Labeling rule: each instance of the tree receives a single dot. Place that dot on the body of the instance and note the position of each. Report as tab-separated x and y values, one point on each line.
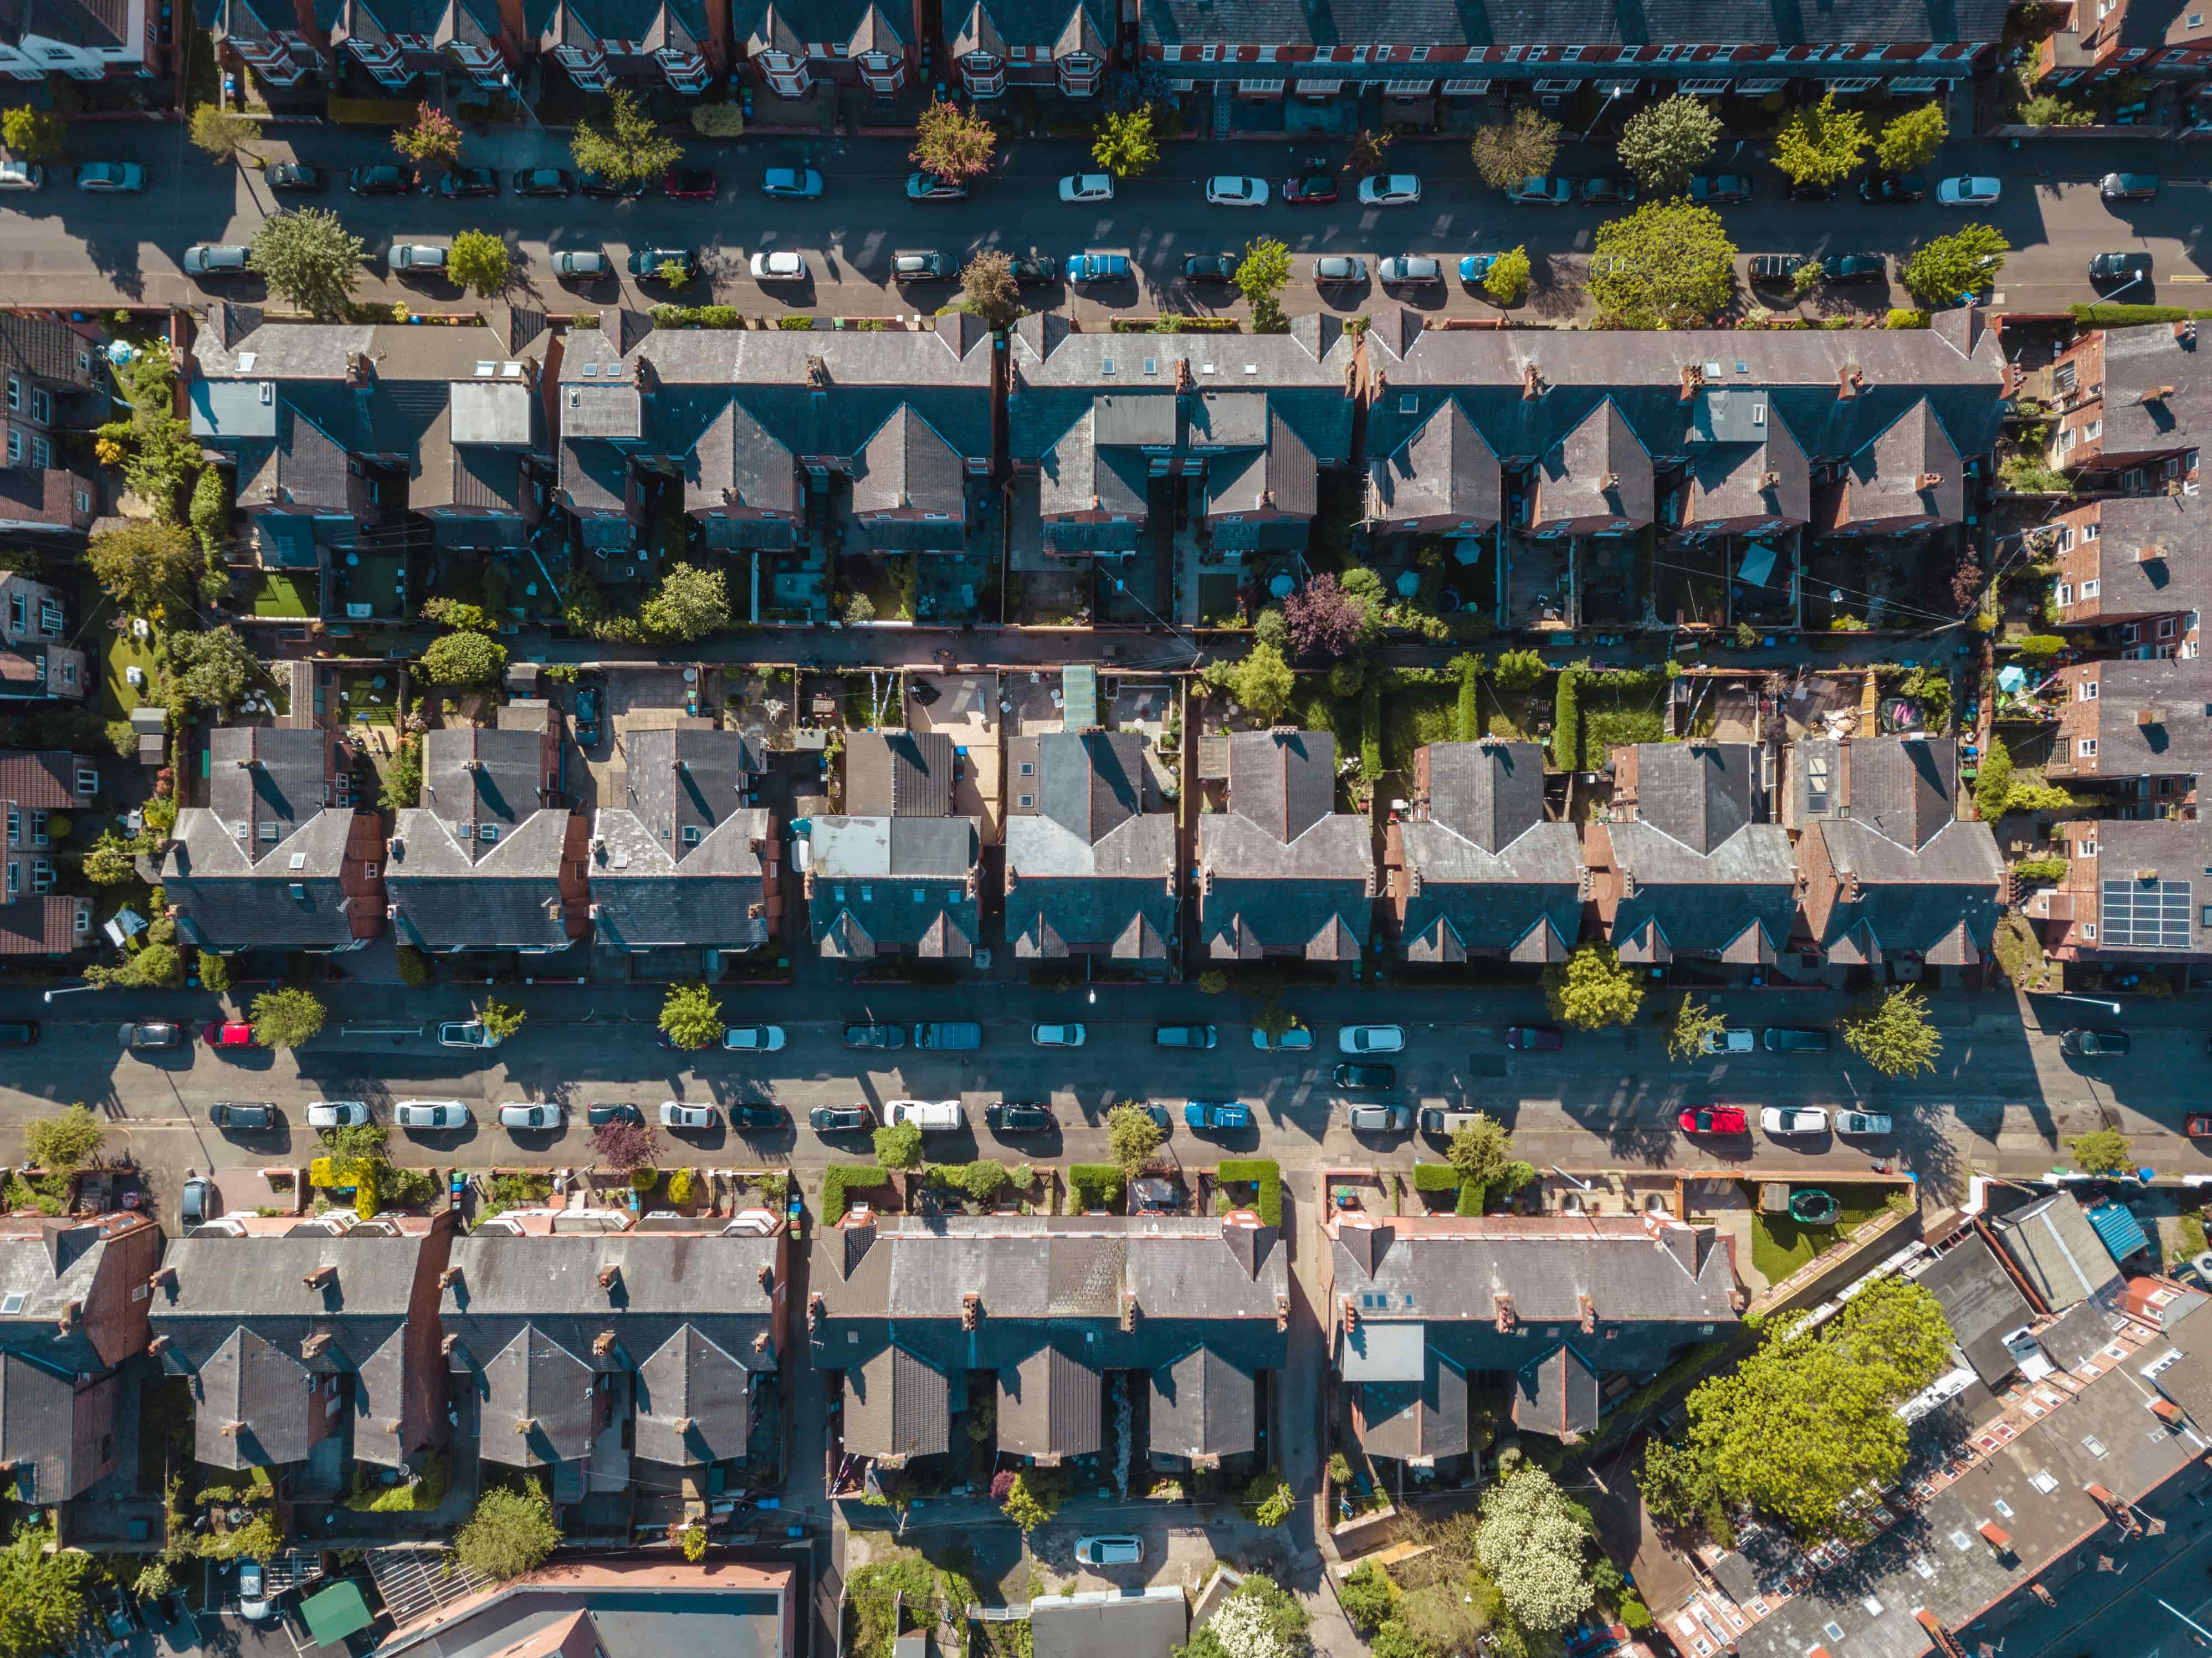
691	1016
954	143
356	1147
1032	1499
1949	270
1269	1499
211	668
1663	266
287	1018
1811	1417
1694	1020
1507	280
1127	145
1132	1135
220	133
1591	989
1895	1037
2099	1151
691	603
215	972
674	273
630	147
1523	147
502	1019
1324	620
65	1142
1679	1485
1262	275
1259	1619
1661	146
479	261
435	137
1367	1596
1518	670
987	283
1531	1541
157	967
1367	148
209	513
1482	1151
983	1179
1274	1021
1819	143
1262	681
453	613
109	860
624	1146
461	658
511	1533
2048	109
307	259
1993	782
143	563
1912	139
898	1145
42	1595
33	135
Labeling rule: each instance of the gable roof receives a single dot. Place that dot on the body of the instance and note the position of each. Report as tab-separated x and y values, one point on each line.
1086	863
1280	869
1482	867
899	774
678	858
1169	22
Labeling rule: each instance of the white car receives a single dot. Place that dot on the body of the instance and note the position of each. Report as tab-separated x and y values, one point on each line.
1726	1041
1862	1122
430	1114
1370	1039
337	1114
215	259
23	175
517	1113
1087	187
465	1033
1297	1040
931	1116
753	1038
409	258
1794	1119
1967	191
1390	190
253	1591
1056	1035
778	267
674	1113
1229	191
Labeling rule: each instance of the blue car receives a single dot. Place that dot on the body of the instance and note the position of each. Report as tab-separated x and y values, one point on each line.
1098	267
588	715
1215	1114
1476	266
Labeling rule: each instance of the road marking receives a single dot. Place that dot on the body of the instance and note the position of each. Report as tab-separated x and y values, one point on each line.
2190	279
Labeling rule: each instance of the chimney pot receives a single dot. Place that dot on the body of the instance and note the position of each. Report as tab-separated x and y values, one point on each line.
449	1278
602	1344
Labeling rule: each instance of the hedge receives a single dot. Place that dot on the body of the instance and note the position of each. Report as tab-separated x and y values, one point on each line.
1435	1177
2121	316
1470	1199
1567	721
1267	1175
1370	734
1182	326
1470	713
695	316
861	1176
1095	1185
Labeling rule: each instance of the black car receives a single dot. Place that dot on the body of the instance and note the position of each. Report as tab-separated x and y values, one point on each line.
1034	269
243	1113
542	181
1607	193
593	184
468	181
1210	267
151	1034
19	1033
654	261
1809	192
1008	1117
1352	1077
599	1116
2119	268
1892	187
378	181
295	176
1852	268
839	1119
875	1036
755	1117
1775	267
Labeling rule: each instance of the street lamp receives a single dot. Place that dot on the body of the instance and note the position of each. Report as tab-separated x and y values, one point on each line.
2108	298
71	990
2113	1008
1606	103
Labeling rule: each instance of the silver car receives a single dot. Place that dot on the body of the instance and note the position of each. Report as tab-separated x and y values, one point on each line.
337	1114
1410	270
540	1118
430	1114
215	259
1862	1122
1381	1119
585	262
415	259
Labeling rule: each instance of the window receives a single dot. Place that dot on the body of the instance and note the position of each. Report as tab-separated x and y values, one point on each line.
38	829
2062	376
2092	1444
83	501
2092	531
15	447
14	877
2065	594
42	406
1028	768
87	780
49	616
691	834
18	613
2089	931
2090	589
84	923
2086	848
2065	540
2092	431
369	871
42	454
2044	1481
2085	691
14	394
68	673
2085	748
2166	627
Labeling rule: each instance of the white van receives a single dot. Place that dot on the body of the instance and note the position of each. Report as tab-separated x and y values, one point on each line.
931	1116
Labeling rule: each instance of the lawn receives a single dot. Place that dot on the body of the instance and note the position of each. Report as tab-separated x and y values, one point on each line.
371	695
118	696
1779	1246
1416	714
276	593
1313	709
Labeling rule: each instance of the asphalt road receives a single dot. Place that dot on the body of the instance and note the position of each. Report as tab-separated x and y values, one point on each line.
63	248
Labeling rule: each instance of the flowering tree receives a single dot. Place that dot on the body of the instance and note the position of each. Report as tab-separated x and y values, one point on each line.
1324	619
1531	1542
1261	1620
435	136
954	143
624	1146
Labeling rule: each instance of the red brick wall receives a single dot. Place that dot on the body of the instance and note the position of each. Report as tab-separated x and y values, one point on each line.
115	1309
1819	886
2076	719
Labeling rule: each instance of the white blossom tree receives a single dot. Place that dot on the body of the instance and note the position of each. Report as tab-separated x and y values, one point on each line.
1244	1630
1261	1620
1532	1545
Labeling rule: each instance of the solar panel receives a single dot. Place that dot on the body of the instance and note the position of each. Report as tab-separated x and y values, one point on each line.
2146	915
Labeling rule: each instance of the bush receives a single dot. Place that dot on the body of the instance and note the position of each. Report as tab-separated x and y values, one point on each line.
1567	720
1095	1185
65	1142
1900	318
215	972
679	1187
717	121
464	659
839	1177
415	967
2040	869
1435	1177
511	1533
1264	1172
898	1145
695	316
1269	1499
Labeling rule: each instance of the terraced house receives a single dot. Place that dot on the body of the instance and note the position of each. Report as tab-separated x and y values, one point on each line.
1060	47
2138	593
897	872
798	44
1281	870
37	786
1090	850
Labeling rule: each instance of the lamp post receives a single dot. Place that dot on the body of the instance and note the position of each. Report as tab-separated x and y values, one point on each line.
71	990
1604	104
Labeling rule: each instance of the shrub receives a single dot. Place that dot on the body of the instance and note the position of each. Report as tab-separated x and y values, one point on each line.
1435	1177
716	121
415	968
2040	869
839	1177
1269	1499
679	1187
1095	1185
644	1178
1264	1172
215	972
898	1145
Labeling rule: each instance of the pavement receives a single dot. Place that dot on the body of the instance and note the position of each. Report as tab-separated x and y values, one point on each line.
63	248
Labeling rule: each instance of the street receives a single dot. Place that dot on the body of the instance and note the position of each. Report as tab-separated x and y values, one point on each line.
66	248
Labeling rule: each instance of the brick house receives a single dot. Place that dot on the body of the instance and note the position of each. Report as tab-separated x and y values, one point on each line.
1475	867
37	661
796	43
897	872
2129	408
1056	46
682	859
35	920
2134	892
2101	39
2132	571
1281	870
2143	724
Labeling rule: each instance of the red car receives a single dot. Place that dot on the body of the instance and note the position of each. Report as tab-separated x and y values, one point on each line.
233	1034
1315	187
2198	1126
1714	1120
690	184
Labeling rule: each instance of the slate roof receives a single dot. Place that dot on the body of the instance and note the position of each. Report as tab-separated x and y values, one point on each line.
884	884
1049	1404
45	1420
1928	882
1204	1404
1046	26
1745	463
2154	398
449	887
2059	1254
59	1264
2179	574
1148	1623
2179	741
1440	473
898	1404
2176	848
899	774
1483	868
783	23
1439	21
694	1402
1417	1420
1599	475
52	352
1557	1392
1980	1302
1280	869
1086	866
1707	871
678	860
1886	483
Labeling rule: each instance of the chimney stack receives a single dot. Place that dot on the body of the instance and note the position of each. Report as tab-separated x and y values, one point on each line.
1502	1303
2156	394
1532	381
316	1345
602	1344
610	1275
449	1278
971	1309
320	1278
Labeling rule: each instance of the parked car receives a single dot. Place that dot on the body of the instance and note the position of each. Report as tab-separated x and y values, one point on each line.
2198	1126
1852	268
1443	1122
463	181
800	184
1370	1039
928	187
1056	1035
1354	1077
2105	268
924	264
675	1114
1311	190
1210	267
875	1036
243	1113
1714	1120
197	1200
1033	269
950	1035
415	260
466	1032
228	1033
1607	192
108	177
1232	189
841	1119
589	265
18	1033
1892	188
1086	268
2129	186
1380	1119
1184	1036
1810	190
431	1114
216	259
2095	1044
385	181
1297	1040
23	175
337	1114
1794	1039
1793	1119
539	1119
1726	1041
584	711
1534	1038
607	1111
1475	267
655	262
1410	270
149	1034
1214	1116
756	1118
1337	270
1115	1550
254	1603
1017	1117
542	181
1087	187
1775	267
1720	189
294	178
1862	1122
1390	190
931	1116
781	266
605	189
690	184
753	1038
1969	191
